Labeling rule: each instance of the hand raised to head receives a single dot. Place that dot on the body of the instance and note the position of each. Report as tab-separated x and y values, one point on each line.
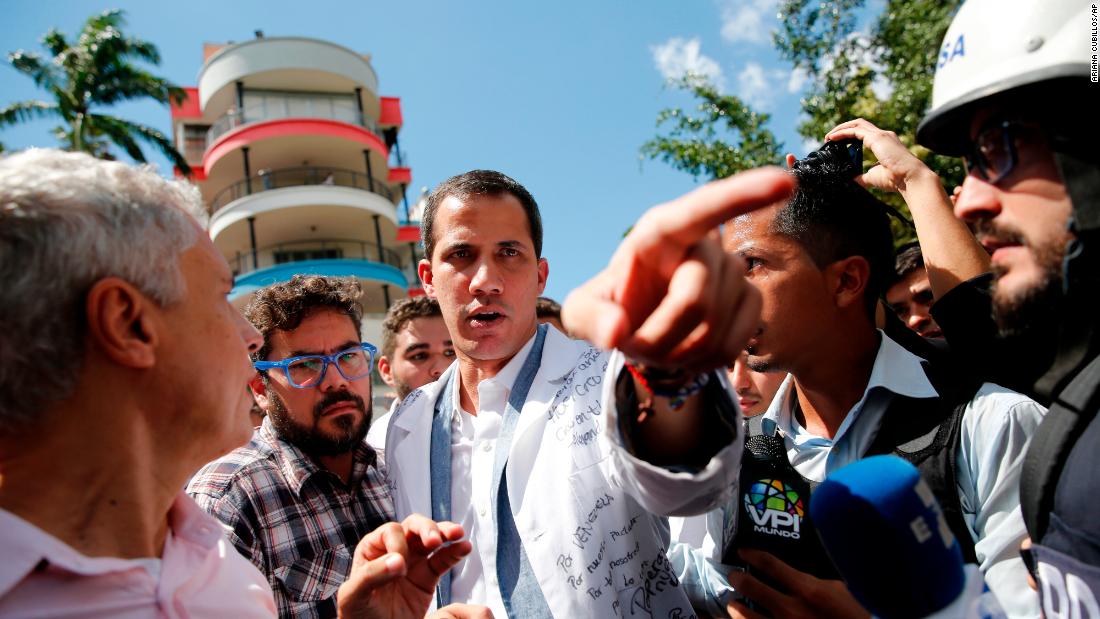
896	167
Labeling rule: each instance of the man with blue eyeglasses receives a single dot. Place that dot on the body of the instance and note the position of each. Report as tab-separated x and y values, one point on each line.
301	494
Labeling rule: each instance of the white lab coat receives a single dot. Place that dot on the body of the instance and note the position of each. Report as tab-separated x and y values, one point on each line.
588	512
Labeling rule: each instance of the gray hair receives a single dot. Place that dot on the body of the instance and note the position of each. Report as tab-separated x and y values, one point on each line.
68	220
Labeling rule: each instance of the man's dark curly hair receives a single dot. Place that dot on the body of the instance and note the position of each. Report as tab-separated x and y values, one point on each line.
834	218
283	306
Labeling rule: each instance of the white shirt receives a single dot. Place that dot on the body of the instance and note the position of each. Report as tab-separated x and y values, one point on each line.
587	510
376	435
473	451
996	427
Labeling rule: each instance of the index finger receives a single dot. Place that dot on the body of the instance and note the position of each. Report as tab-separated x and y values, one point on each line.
847	132
855	122
689	218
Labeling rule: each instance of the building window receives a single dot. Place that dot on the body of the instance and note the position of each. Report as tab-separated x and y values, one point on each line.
194	141
283	256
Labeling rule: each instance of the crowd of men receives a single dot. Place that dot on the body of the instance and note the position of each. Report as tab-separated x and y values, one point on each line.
614	456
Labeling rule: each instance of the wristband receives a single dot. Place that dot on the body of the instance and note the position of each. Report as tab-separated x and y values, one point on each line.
677	392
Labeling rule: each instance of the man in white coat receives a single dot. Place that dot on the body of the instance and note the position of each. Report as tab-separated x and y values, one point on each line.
557	457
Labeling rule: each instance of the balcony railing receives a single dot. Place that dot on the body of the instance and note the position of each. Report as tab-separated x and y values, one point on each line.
399	158
263	105
298	177
313	249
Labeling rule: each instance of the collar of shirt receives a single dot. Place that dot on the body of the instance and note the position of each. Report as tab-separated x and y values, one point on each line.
896	371
24	546
492	393
298	468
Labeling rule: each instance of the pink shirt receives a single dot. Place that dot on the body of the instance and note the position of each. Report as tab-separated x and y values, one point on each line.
199	575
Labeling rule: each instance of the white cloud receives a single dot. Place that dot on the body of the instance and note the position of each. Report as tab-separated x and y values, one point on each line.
759	87
882	87
809	145
864	57
678	57
753	84
748	21
797	80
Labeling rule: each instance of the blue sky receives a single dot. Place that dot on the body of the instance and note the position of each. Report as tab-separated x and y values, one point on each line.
559	95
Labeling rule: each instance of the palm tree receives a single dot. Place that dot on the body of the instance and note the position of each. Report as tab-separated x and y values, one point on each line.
95	72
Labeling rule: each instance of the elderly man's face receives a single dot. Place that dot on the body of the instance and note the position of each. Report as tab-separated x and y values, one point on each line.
485	275
1021	220
206	346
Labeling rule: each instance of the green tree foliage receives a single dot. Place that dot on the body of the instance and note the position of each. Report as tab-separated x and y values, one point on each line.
724	135
899	50
95	72
901	47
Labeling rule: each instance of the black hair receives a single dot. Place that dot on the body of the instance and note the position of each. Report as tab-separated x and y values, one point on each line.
834	218
479	183
909	259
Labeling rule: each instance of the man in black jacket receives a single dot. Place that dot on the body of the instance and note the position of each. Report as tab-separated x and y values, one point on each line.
1014	94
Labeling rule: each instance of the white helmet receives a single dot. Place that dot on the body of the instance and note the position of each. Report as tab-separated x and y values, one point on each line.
994	46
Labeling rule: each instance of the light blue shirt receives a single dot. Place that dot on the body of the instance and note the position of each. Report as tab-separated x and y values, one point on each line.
996	427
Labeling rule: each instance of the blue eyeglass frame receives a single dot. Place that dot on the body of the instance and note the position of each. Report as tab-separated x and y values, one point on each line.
326	361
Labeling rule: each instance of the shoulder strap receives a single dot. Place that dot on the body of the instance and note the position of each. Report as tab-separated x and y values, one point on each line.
1072	410
926	433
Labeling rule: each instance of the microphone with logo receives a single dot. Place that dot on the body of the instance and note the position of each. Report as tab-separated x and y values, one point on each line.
887	536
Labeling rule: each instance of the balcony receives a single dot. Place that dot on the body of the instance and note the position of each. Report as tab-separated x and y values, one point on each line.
313	250
285	62
261	106
299	177
378	280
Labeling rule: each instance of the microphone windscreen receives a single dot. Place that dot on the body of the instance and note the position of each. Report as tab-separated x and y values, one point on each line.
886	534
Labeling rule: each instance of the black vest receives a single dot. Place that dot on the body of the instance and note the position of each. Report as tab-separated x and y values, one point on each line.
773	498
1058	497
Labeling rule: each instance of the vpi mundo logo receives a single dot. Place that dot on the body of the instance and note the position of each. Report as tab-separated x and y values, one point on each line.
775	509
951	50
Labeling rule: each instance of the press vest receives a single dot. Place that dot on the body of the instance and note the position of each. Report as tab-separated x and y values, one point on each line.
1058	499
774	498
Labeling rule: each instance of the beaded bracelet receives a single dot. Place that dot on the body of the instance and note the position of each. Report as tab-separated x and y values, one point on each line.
676	397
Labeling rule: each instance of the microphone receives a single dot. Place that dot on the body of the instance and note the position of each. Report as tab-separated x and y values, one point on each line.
887	536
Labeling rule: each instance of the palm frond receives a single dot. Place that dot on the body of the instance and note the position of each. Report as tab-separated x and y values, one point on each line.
95	70
111	18
22	111
54	41
33	66
112	126
124	82
118	131
143	50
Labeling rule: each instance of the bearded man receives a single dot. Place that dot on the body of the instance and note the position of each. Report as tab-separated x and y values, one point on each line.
301	494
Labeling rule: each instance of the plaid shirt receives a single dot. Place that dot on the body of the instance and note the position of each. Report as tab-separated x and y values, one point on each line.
297	522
